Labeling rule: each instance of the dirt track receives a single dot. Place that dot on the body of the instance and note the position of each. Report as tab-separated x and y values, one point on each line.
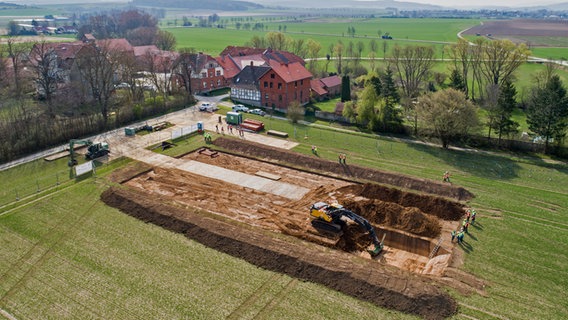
243	221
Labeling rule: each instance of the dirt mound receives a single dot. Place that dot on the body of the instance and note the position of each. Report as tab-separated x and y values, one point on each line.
395	216
439	207
383	286
352	171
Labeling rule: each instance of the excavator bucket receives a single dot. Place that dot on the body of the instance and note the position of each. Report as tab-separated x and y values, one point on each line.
376	251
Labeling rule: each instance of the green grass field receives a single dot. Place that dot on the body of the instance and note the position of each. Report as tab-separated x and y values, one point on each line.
68	256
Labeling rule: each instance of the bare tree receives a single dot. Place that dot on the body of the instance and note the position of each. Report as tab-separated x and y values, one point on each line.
461	56
501	58
44	62
96	66
183	70
16	52
413	65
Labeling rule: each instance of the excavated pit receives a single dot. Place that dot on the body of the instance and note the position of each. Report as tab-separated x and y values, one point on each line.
411	222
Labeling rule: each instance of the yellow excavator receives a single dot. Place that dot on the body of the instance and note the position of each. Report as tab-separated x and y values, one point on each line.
329	218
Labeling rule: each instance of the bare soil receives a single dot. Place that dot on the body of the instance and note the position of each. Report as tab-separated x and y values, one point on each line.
256	226
521	28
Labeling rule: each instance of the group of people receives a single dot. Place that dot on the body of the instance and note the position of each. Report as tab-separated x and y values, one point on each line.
230	127
469	217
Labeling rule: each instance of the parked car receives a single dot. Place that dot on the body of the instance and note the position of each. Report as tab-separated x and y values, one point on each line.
258	112
208	107
240	108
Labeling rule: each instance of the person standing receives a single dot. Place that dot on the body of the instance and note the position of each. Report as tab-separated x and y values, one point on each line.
473	216
453	235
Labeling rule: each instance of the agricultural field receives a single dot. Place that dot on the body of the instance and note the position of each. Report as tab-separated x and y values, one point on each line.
68	255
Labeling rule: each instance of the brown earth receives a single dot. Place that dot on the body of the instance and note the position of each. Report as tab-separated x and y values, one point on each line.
245	222
521	28
352	172
364	279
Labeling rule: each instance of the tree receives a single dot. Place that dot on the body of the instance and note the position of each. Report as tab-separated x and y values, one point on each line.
141	36
338	49
413	65
16	53
47	72
165	40
367	107
295	112
506	104
277	40
460	53
96	66
547	111
183	70
314	48
501	58
448	113
345	89
388	88
457	82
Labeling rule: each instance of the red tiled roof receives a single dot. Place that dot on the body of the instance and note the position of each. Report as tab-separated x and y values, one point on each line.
229	66
332	81
142	50
290	72
317	87
121	45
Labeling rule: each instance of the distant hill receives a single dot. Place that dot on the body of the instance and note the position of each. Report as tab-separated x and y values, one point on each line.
224	5
379	4
5	5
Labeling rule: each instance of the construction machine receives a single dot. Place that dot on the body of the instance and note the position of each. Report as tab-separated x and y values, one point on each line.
94	150
329	219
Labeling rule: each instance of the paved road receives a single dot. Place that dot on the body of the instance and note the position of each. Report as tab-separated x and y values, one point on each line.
122	145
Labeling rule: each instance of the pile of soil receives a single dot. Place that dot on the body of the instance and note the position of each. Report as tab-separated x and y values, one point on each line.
366	280
395	216
251	149
437	206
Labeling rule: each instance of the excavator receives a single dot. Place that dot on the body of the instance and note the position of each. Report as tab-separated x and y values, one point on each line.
94	150
328	219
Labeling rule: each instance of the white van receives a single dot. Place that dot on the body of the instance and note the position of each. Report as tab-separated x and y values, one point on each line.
240	108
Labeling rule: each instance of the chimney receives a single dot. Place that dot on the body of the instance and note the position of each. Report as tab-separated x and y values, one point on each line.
251	63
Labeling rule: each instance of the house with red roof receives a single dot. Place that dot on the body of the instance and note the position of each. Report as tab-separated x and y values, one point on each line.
326	88
265	77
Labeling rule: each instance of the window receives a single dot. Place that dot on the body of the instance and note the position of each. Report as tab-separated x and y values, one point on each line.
204	84
266	84
266	96
301	82
271	85
272	76
218	82
279	97
295	84
218	73
203	74
279	85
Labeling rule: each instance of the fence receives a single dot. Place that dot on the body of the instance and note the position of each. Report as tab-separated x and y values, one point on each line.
178	133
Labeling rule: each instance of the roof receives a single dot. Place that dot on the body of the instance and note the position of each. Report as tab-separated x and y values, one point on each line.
332	81
63	50
230	67
248	77
266	53
290	72
120	45
142	50
317	87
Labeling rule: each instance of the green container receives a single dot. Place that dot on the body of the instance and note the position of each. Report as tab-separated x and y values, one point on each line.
129	131
234	118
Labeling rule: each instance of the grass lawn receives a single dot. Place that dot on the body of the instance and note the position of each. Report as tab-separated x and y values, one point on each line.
70	256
